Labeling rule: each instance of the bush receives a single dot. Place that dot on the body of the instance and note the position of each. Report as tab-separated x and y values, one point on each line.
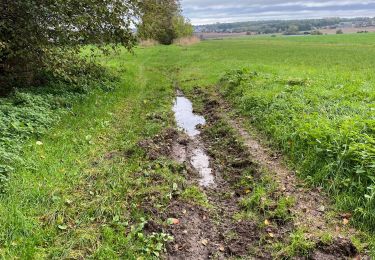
316	32
45	37
339	31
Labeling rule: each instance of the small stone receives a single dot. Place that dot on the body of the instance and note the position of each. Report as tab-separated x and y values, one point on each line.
204	242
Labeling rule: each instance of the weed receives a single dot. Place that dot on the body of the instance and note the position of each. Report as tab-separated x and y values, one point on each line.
282	211
298	245
326	238
195	195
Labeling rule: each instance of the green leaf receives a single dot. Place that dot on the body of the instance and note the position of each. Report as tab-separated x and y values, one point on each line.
62	227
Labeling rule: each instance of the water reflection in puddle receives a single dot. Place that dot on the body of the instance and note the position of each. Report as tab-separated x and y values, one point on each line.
188	121
201	162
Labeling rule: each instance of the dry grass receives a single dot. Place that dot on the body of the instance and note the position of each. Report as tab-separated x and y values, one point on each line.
148	43
186	41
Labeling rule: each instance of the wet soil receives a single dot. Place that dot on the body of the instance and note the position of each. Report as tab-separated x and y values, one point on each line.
219	156
194	151
311	205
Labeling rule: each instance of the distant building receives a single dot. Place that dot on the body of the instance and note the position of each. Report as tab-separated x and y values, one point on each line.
346	25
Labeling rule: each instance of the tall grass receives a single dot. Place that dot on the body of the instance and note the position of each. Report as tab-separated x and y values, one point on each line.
326	129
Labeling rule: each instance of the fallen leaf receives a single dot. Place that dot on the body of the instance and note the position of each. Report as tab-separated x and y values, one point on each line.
221	248
346	215
267	222
173	221
204	242
271	235
62	227
345	221
184	211
247	191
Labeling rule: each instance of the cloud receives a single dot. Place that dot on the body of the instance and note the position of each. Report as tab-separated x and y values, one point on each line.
210	11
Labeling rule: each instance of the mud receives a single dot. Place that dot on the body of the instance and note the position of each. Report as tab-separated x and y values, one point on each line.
193	152
309	211
339	249
229	155
194	237
214	233
161	145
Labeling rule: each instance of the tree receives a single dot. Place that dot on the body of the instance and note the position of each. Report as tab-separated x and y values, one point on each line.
292	30
340	31
316	32
161	20
44	36
182	26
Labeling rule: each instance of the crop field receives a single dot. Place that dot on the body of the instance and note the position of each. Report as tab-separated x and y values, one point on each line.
91	175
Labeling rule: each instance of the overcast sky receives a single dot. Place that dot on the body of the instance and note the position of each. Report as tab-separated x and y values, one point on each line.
212	11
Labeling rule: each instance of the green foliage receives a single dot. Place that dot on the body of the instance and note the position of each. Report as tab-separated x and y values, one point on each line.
194	194
163	21
281	26
86	189
153	244
340	31
298	245
182	27
30	113
327	131
316	32
44	37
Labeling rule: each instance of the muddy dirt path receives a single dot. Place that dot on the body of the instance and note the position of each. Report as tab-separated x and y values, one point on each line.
228	164
205	232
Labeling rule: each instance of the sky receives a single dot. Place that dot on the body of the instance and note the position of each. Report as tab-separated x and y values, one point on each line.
212	11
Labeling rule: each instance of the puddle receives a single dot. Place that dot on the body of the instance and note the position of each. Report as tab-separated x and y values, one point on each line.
185	118
188	122
201	162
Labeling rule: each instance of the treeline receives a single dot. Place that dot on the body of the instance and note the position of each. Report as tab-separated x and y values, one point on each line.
40	41
163	21
282	26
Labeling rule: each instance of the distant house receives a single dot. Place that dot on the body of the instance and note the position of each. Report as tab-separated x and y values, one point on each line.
346	25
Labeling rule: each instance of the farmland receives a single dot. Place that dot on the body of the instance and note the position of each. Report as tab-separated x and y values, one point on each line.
99	183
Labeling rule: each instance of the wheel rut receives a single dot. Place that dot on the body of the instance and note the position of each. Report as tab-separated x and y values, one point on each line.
226	167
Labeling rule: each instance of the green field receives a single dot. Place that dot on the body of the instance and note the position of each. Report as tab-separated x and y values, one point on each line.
312	98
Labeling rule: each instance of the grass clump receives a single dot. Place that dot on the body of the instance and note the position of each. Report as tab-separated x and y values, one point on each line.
298	245
195	195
